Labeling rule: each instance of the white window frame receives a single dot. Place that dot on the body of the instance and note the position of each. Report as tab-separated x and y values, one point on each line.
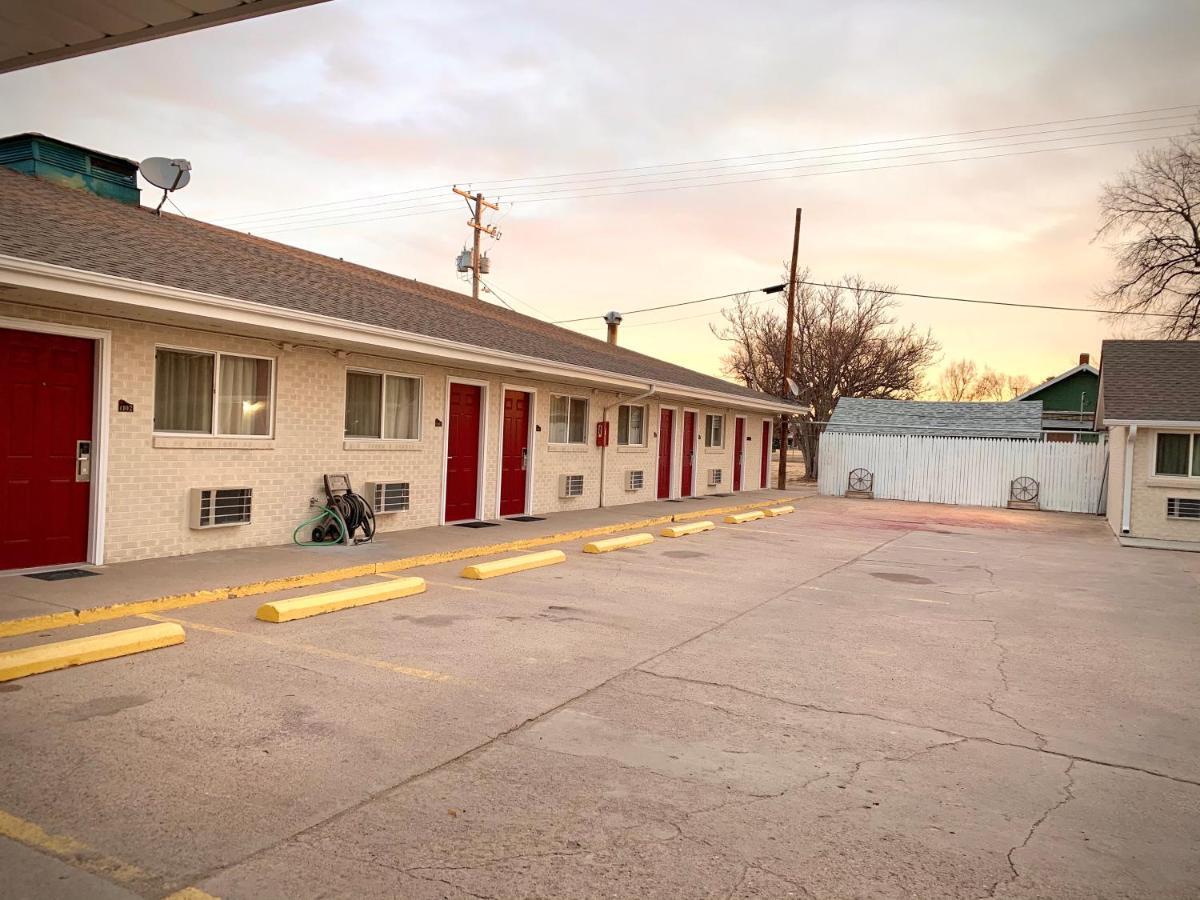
587	417
216	382
708	419
645	416
383	373
1194	439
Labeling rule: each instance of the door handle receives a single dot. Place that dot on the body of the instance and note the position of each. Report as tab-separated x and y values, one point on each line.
83	460
524	458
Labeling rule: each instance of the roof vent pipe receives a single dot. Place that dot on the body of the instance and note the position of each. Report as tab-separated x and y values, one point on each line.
612	319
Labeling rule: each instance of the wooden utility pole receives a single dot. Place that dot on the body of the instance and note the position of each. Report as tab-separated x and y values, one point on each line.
476	223
785	420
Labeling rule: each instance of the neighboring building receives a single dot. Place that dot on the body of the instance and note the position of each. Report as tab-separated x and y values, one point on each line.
937	418
1150	404
1069	403
146	360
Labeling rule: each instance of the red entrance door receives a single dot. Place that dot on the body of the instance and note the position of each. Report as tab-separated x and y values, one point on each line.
766	453
514	454
462	452
666	435
688	454
45	412
739	451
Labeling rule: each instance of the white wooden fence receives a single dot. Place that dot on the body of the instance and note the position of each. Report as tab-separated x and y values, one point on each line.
966	471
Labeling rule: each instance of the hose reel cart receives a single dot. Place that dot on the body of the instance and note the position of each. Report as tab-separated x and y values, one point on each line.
342	516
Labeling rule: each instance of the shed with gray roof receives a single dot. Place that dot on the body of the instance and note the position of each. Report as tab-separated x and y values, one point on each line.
1011	419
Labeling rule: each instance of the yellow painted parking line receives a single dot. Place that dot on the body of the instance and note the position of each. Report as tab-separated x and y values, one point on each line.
284	644
190	893
80	651
333	601
772	511
791	534
513	564
742	518
675	531
619	543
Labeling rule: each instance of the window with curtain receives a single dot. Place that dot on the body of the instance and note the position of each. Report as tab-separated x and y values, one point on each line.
384	406
631	426
714	431
1177	454
568	419
186	382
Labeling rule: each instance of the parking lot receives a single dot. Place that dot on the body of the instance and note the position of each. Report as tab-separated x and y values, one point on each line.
863	698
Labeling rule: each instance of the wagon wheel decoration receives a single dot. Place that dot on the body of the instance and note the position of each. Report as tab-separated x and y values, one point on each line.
861	480
1024	489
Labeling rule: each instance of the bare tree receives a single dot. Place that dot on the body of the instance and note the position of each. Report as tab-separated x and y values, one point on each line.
957	381
962	381
1018	385
1151	216
846	344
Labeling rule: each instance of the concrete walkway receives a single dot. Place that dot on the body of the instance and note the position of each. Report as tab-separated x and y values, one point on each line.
262	569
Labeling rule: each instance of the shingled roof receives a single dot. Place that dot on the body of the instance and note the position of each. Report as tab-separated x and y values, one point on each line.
52	224
1149	381
1013	419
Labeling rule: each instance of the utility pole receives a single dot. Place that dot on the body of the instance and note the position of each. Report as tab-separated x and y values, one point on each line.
476	223
785	420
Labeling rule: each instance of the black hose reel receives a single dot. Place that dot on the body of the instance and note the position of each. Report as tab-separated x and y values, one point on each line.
352	509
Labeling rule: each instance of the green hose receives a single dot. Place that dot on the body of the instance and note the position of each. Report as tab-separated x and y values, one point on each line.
325	513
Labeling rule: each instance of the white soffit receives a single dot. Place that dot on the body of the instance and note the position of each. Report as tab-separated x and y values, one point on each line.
34	32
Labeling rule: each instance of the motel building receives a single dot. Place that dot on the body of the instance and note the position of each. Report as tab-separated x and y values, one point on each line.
171	387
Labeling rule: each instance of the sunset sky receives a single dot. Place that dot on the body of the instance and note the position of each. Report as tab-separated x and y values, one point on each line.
358	99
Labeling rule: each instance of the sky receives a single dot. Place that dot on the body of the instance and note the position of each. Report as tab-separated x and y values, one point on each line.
368	99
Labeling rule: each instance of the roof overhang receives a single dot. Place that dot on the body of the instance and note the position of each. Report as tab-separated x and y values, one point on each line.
178	306
32	34
1037	389
1154	423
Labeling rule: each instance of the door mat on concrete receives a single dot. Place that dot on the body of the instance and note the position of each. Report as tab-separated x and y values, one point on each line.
525	519
476	524
61	574
720	495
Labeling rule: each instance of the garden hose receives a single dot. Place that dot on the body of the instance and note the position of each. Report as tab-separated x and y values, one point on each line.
325	513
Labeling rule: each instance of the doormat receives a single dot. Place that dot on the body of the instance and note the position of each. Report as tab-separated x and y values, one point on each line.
720	495
61	574
476	524
525	519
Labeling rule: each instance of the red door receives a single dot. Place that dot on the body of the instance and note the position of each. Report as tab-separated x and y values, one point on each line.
688	454
666	434
514	454
739	451
462	452
766	453
45	411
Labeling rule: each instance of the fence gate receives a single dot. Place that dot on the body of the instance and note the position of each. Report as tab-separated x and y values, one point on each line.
966	471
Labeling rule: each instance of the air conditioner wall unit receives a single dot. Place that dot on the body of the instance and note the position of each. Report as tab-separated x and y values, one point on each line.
219	507
714	477
388	496
570	486
635	480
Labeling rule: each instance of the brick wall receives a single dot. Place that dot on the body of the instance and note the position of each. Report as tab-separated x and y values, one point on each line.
149	476
1150	493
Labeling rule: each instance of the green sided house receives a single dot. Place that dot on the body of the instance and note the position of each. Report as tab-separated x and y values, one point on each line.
170	387
1150	404
1069	404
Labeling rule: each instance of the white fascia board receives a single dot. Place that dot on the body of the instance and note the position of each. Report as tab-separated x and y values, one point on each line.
229	310
1155	423
1082	367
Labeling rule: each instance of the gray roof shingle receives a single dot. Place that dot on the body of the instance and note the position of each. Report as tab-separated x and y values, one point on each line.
1013	419
1150	381
52	224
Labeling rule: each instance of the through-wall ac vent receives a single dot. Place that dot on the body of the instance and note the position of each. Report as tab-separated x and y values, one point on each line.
714	477
635	480
571	486
388	496
218	507
1183	508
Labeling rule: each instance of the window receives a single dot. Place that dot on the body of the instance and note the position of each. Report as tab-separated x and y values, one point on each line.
714	431
191	385
568	419
383	407
1177	454
631	426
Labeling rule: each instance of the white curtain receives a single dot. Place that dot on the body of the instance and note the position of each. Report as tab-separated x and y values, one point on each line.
559	413
183	385
403	407
363	398
244	396
578	425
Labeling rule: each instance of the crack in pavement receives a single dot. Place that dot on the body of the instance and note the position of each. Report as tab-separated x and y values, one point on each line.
1068	796
816	707
1001	670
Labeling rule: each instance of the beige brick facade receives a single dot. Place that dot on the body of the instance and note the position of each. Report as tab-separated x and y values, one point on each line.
149	475
1149	492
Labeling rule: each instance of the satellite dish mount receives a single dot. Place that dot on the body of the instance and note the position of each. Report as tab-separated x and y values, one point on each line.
168	174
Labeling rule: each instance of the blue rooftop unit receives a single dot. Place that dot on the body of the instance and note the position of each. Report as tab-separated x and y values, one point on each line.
73	166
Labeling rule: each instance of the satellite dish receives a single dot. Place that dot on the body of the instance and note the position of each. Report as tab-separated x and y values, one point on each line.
168	174
793	388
